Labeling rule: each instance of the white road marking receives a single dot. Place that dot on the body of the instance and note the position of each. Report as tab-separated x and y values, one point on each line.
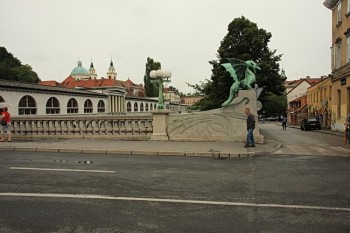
342	149
223	203
319	149
297	149
56	169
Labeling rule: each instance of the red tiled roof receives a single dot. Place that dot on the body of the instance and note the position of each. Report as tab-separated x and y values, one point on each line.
301	108
312	81
51	83
70	82
298	99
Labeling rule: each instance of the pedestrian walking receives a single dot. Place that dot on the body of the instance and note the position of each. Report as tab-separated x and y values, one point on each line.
5	125
284	123
250	142
347	131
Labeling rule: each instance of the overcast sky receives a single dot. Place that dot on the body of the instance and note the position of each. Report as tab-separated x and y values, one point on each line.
183	35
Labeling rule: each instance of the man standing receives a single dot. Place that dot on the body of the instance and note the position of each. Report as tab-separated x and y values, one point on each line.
284	123
250	142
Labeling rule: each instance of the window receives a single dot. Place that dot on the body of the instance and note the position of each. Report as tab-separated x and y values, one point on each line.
348	7
72	106
101	106
151	107
337	56
27	106
1	100
347	48
339	14
338	104
88	106
348	101
52	106
141	107
136	107
146	107
128	107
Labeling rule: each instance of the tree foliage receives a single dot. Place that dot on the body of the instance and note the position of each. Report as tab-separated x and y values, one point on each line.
151	90
244	41
275	105
12	69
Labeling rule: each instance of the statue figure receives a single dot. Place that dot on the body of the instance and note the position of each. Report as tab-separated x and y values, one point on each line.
243	74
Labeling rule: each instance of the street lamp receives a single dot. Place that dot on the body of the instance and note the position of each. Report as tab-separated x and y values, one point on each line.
160	77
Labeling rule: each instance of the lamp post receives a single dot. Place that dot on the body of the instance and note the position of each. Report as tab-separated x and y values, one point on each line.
160	77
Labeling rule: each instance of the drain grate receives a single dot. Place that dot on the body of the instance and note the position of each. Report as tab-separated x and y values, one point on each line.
86	162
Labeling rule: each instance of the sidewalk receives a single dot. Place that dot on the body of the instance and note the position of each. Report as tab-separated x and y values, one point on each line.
155	148
152	148
323	130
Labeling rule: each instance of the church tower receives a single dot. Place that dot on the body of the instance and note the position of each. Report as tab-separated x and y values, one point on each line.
92	71
111	73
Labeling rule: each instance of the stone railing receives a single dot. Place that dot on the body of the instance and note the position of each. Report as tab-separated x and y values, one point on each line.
124	127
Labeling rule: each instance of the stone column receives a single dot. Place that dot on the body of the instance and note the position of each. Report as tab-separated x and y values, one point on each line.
160	122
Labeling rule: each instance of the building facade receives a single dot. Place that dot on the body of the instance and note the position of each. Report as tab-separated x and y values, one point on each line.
297	110
340	61
319	99
298	88
123	96
34	99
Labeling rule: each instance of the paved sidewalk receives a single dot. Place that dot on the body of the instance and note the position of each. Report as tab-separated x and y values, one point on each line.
155	148
323	130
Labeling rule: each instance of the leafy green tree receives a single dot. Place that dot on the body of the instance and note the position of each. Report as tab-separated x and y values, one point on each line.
25	73
12	69
275	105
151	89
244	41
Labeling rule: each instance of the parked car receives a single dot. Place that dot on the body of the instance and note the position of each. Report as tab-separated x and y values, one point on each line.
272	118
310	123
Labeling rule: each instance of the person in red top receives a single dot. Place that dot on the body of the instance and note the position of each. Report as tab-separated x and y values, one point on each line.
6	128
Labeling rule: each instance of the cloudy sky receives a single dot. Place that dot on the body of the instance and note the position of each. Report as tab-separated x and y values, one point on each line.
183	35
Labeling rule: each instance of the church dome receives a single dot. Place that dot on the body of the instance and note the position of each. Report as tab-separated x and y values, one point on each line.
79	70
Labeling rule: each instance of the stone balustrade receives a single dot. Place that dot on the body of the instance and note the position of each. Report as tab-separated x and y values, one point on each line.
124	127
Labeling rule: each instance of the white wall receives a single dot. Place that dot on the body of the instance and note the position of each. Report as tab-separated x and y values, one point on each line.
13	97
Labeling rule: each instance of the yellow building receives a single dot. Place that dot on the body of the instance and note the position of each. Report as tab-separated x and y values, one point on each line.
319	101
340	61
191	100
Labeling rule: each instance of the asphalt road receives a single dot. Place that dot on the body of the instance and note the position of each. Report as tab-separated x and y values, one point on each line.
297	142
49	192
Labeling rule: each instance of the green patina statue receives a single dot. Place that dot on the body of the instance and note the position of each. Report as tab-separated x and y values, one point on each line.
243	74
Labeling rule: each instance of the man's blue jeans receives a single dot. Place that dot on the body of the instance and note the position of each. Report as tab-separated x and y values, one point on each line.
250	137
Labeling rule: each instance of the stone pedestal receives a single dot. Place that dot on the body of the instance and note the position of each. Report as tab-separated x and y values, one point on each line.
160	121
222	124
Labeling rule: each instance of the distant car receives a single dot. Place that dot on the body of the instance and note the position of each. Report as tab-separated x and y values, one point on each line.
310	123
272	118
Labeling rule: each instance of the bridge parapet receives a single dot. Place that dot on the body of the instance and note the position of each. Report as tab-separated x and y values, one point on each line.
125	127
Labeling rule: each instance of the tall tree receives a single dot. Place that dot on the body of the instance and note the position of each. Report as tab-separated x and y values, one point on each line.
12	69
244	41
151	90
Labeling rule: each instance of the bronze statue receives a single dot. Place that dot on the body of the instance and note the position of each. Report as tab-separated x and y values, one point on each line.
243	74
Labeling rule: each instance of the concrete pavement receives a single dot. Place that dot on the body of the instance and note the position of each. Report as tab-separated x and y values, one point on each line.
152	148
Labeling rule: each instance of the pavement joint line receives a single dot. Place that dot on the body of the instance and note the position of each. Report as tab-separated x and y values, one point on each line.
177	201
59	169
